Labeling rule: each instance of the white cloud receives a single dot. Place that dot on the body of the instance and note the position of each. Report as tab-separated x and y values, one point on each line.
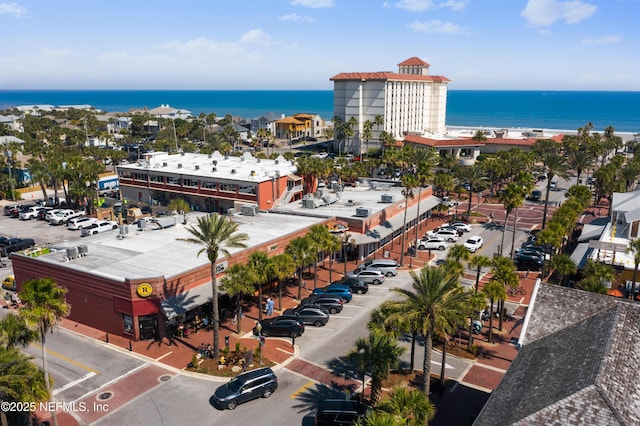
541	13
256	37
201	47
12	8
437	27
608	39
294	17
314	4
412	5
454	5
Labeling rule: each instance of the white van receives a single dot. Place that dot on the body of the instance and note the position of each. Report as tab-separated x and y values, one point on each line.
388	267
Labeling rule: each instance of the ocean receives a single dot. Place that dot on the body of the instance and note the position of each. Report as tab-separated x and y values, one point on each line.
563	110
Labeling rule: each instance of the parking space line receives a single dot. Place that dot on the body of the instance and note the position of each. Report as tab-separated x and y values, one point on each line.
302	389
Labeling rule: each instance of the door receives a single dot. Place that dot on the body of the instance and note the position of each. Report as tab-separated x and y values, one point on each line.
148	327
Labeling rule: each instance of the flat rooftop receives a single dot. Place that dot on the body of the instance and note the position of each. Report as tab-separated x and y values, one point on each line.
154	253
245	168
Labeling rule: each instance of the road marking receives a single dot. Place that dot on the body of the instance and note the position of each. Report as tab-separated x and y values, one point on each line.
450	367
302	389
66	359
73	383
112	381
160	357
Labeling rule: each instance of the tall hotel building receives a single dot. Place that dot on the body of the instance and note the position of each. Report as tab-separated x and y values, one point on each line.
410	101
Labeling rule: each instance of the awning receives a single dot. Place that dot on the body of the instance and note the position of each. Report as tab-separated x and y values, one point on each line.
581	254
185	301
389	226
590	232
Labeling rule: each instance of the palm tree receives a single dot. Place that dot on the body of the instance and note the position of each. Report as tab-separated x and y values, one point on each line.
318	237
592	284
15	331
237	283
554	165
217	234
634	248
479	262
424	162
476	177
333	244
45	305
20	381
378	354
408	183
494	291
408	407
458	252
564	266
367	133
300	252
437	299
258	264
504	272
280	267
580	161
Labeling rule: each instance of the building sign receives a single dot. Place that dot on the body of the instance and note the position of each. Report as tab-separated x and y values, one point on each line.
109	184
144	290
221	267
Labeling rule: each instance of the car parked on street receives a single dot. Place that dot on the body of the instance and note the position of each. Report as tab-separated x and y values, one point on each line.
99	227
356	286
528	261
332	412
311	315
433	243
261	382
280	327
533	252
342	291
369	276
389	267
331	303
473	244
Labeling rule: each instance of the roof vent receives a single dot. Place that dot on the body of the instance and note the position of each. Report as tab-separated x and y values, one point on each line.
233	171
214	169
179	165
164	164
209	155
197	167
214	162
277	161
253	172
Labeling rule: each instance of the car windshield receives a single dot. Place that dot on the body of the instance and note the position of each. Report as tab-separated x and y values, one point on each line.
235	384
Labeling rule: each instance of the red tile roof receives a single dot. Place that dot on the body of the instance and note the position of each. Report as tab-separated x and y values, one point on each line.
413	61
387	76
441	142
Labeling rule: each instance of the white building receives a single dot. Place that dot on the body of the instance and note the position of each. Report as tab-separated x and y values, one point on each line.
410	101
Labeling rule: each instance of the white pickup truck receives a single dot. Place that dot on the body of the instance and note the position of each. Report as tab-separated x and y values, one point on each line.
63	216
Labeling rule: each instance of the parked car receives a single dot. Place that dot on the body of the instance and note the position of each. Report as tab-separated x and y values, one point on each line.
31	212
331	303
342	291
446	227
463	226
99	227
333	412
473	244
533	252
16	244
433	243
81	222
8	209
356	286
448	234
63	216
369	276
50	214
388	267
536	195
9	283
261	382
317	316
528	261
14	213
281	327
449	202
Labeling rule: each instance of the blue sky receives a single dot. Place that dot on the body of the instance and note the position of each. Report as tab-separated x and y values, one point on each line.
300	44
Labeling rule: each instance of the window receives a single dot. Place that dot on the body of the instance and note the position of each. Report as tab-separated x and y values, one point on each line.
124	173
173	180
247	189
155	178
207	184
128	323
227	187
190	182
140	176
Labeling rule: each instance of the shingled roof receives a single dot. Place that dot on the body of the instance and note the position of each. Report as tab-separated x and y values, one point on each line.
579	364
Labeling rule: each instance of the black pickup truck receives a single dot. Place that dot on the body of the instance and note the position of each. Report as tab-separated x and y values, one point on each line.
12	245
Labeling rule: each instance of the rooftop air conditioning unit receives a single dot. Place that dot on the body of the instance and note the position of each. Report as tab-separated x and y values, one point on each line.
214	162
214	169
164	164
387	198
209	155
83	250
363	211
253	172
197	167
179	165
277	162
309	203
72	253
233	171
231	211
248	211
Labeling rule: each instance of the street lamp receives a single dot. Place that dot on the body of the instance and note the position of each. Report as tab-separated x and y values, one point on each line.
10	160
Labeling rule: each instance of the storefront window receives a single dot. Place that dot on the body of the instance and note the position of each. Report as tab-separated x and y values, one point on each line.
128	323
